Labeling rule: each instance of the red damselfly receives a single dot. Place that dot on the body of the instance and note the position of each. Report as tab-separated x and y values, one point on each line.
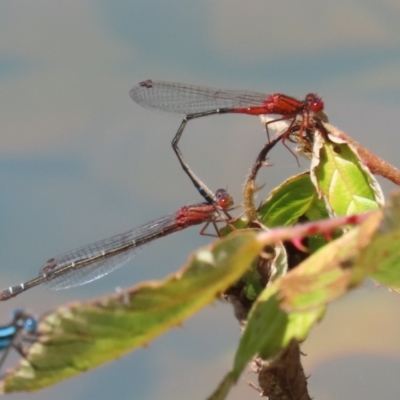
91	262
196	101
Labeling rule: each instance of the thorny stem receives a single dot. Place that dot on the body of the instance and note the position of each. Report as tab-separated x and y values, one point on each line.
374	163
293	233
250	187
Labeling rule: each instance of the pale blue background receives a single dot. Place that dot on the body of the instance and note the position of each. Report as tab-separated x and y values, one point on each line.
79	161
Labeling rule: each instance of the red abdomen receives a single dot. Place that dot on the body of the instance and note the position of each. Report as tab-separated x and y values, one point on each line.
275	104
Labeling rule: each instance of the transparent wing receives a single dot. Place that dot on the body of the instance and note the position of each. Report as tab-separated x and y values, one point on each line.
179	98
91	262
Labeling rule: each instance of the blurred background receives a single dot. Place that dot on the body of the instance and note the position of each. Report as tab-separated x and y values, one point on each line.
80	161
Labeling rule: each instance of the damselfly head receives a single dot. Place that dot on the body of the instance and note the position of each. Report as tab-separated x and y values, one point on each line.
23	320
224	199
30	324
314	103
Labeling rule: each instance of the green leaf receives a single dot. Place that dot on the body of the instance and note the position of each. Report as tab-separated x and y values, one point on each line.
381	257
293	199
343	180
321	278
270	328
81	336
